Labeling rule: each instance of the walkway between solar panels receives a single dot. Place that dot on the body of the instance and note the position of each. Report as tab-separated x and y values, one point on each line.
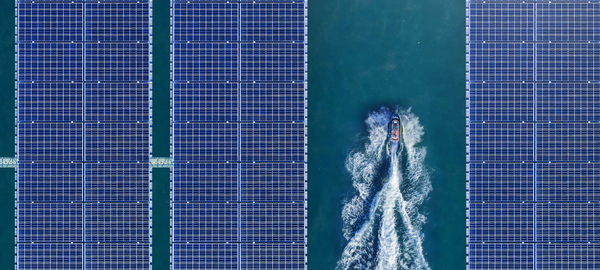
8	162
161	162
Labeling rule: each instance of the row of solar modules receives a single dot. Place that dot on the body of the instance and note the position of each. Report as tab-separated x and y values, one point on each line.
218	62
542	182
218	182
521	256
64	62
65	142
63	21
529	222
555	21
225	256
70	255
64	102
514	102
218	102
527	142
257	222
516	62
219	22
64	182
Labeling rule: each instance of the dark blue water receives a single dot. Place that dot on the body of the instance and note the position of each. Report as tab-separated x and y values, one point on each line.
368	54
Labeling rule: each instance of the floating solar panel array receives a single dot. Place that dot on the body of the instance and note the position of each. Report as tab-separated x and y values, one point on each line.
83	134
533	134
239	134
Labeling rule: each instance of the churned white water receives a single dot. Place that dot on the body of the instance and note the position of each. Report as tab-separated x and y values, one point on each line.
382	222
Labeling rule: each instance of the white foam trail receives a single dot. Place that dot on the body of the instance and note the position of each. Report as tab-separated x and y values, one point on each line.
363	166
398	247
387	258
357	253
420	186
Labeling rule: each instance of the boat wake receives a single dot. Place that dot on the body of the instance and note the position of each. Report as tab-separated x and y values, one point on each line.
382	222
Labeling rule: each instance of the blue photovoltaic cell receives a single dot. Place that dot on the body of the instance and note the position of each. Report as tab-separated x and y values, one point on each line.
50	142
205	182
205	222
50	22
272	182
568	222
501	142
272	222
117	222
502	222
568	142
272	22
205	256
268	62
107	22
568	102
205	142
117	102
272	142
117	62
568	256
501	102
569	22
50	182
205	102
50	256
272	256
50	102
501	256
117	182
206	62
205	22
121	142
272	102
50	222
508	62
501	22
501	182
568	182
117	256
56	62
569	62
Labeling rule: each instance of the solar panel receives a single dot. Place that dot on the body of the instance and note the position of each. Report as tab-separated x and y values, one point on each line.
83	134
568	256
50	182
568	182
205	182
205	102
272	102
272	182
50	256
501	182
239	134
205	256
532	134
